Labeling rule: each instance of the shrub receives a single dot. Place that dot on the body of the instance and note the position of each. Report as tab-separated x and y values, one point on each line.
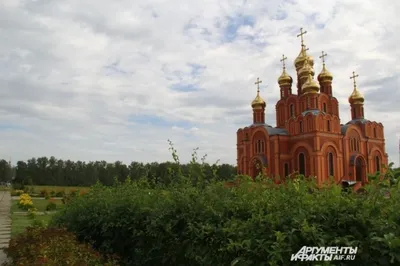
70	196
25	202
51	206
52	247
251	223
52	193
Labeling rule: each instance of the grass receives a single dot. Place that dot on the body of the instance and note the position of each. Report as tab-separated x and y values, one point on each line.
20	221
39	204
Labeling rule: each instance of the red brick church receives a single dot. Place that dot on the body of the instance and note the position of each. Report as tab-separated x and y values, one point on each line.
309	137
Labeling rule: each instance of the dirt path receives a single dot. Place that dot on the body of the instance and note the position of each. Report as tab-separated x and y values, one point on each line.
5	223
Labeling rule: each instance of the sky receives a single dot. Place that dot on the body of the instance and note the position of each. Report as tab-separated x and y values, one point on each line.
114	80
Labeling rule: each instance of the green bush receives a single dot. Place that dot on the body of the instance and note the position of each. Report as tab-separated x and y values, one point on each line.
251	223
52	247
51	206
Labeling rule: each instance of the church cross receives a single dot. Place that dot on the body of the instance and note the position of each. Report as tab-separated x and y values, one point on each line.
301	36
283	61
323	57
354	78
258	84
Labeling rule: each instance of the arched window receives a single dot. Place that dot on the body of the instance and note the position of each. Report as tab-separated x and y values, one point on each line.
324	107
329	125
331	166
302	164
377	164
286	169
291	110
374	132
316	103
354	144
301	126
259	146
282	93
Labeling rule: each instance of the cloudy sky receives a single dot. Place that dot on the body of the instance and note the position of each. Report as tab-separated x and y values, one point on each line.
114	80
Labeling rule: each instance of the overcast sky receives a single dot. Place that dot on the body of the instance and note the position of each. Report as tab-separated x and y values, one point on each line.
114	80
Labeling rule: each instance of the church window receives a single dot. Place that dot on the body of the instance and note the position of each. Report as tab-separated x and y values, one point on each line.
301	126
354	145
259	146
282	93
329	125
374	132
316	103
286	169
377	164
324	107
291	110
302	164
330	164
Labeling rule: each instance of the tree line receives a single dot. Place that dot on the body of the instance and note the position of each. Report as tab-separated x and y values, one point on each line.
58	172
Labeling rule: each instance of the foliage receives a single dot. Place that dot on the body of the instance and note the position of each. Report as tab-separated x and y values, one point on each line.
51	206
56	172
6	171
25	202
52	247
17	192
198	221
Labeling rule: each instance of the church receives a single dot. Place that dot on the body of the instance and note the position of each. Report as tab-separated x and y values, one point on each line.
309	138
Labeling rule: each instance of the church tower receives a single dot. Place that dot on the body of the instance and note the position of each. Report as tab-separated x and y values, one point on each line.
258	105
325	77
356	101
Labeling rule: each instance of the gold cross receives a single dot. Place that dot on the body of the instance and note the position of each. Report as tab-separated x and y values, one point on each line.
258	84
354	78
283	61
323	57
301	35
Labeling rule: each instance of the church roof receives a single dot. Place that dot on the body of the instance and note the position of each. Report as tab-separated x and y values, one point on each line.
272	130
314	112
352	122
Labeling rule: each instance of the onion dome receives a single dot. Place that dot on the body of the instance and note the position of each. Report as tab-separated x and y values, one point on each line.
306	69
356	97
310	86
285	79
301	58
258	101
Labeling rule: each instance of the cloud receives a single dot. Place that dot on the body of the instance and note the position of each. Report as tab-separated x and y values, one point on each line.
96	80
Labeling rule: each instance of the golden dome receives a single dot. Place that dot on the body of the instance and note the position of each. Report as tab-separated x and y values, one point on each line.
325	75
258	101
310	86
306	69
356	97
285	79
301	58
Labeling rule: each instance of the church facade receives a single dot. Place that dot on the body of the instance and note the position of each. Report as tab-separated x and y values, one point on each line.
309	137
